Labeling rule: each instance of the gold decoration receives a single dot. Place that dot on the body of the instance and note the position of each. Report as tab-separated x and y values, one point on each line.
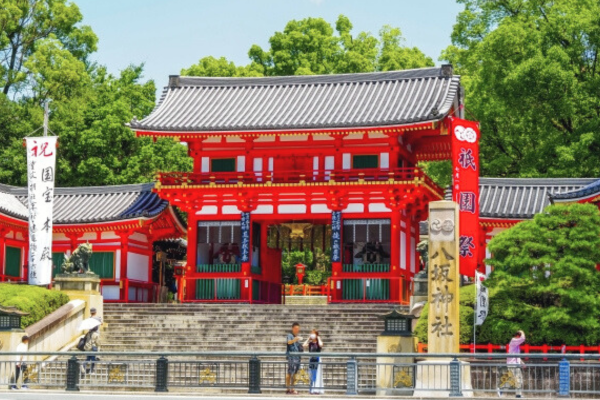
116	373
301	377
298	230
207	376
402	379
508	380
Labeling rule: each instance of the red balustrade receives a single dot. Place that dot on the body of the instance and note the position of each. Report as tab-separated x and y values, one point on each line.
408	175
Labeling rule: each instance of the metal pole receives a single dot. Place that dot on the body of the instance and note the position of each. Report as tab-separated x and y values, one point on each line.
351	377
162	375
46	119
455	379
254	376
73	374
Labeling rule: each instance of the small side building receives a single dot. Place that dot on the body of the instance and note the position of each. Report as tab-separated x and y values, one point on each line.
122	222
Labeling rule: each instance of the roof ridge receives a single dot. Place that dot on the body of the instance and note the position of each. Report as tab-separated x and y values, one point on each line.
444	71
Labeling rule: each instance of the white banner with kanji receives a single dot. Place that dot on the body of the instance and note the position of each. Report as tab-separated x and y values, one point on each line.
41	168
481	299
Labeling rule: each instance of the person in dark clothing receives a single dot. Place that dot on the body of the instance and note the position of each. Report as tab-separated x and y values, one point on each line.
293	346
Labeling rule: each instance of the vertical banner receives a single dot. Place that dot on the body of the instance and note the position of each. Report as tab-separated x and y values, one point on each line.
336	236
41	161
444	278
481	297
465	189
245	227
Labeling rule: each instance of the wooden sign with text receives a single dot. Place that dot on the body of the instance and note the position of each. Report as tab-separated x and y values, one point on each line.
444	278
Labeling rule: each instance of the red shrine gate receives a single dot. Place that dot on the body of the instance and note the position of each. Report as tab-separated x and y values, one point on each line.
291	156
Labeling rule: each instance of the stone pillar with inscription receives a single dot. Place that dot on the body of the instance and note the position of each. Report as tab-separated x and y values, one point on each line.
434	377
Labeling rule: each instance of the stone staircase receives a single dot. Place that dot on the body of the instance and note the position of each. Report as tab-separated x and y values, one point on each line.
237	327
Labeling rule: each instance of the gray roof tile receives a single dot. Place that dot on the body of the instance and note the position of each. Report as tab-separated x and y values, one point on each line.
89	204
199	104
522	198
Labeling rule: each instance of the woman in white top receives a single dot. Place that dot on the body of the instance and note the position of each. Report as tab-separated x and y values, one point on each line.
314	345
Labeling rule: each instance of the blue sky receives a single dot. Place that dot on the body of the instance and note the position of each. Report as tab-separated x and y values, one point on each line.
174	34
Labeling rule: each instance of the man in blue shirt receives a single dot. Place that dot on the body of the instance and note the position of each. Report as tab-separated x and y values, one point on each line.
293	346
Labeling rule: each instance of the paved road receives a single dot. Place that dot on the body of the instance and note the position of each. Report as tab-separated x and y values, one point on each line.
37	395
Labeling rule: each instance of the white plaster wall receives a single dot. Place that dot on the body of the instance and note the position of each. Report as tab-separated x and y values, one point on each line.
88	236
208	210
205	166
241	163
329	163
354	208
137	266
117	265
319	209
346	161
139	237
384	160
258	164
413	249
378	207
231	210
111	292
57	237
403	250
109	235
291	209
263	209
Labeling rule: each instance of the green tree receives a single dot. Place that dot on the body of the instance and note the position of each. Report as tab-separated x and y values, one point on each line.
313	46
530	69
48	31
546	279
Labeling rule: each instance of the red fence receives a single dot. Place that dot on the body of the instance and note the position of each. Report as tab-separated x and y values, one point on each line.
526	348
294	177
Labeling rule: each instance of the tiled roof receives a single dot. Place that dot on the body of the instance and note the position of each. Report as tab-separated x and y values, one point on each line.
593	189
10	205
522	198
78	205
199	104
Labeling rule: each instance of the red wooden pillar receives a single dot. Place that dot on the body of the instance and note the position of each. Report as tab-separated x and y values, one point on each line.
187	290
123	261
395	238
394	150
195	152
3	232
25	262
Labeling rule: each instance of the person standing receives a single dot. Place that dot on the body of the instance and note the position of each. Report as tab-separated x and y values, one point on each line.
293	362
93	314
314	344
21	365
515	364
92	343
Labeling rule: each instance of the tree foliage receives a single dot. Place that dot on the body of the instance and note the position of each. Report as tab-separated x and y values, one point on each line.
545	273
44	56
530	69
313	46
544	281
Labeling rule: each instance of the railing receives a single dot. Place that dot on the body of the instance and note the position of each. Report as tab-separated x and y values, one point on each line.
304	290
366	268
526	348
218	268
12	279
454	375
368	290
408	175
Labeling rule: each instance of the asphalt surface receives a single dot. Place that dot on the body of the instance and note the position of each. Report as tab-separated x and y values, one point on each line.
36	395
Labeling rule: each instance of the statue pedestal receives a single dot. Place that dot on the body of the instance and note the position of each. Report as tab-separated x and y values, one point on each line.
433	378
84	287
394	378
